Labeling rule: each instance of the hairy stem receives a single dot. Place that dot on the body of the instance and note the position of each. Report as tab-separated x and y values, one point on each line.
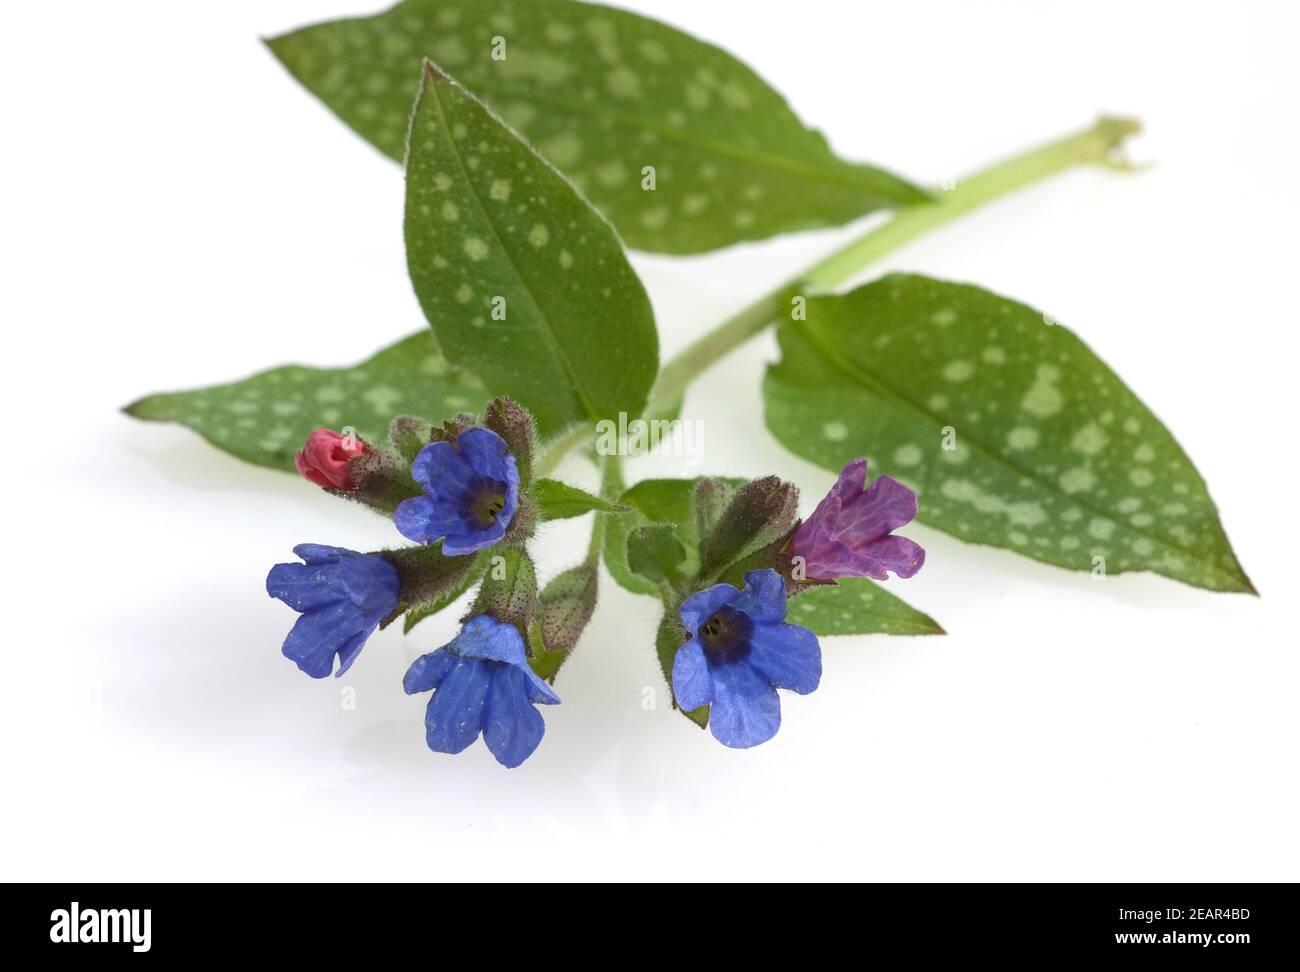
611	488
556	448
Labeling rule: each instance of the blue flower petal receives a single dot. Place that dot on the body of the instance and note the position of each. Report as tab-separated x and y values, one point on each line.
428	671
486	637
372	583
692	683
787	655
454	718
445	474
319	553
434	460
764	596
468	543
414	519
511	498
484	452
306	586
512	728
318	635
701	606
451	484
349	650
746	710
538	690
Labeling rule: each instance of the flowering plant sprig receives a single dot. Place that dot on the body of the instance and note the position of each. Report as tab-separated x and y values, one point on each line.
984	418
461	491
725	643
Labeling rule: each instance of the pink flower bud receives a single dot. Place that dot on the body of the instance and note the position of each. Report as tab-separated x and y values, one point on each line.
323	460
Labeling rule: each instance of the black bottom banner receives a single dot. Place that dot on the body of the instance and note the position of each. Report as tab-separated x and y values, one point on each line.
136	922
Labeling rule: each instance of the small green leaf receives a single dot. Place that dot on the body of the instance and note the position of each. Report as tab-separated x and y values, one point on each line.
603	94
524	284
1011	430
854	606
655	553
266	418
559	501
654	501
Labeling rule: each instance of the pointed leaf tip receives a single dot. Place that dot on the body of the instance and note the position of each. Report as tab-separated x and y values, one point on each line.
1011	430
432	74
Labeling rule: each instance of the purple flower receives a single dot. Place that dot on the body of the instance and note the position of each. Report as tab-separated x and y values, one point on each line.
848	534
342	596
472	492
739	654
482	684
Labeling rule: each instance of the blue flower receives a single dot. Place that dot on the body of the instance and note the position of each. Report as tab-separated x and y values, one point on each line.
740	652
482	683
342	596
472	492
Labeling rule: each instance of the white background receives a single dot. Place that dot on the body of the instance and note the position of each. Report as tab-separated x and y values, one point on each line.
177	212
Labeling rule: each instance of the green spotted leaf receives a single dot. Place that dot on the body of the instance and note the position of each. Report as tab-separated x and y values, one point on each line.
524	284
1012	432
856	606
266	418
603	94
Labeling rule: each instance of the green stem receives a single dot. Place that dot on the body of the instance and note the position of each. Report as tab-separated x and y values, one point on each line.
597	543
1096	145
555	449
611	488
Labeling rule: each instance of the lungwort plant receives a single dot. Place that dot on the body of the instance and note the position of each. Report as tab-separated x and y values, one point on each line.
539	138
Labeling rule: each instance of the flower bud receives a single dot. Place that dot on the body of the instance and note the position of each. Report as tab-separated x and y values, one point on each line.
509	589
408	434
563	610
759	512
324	458
512	422
850	533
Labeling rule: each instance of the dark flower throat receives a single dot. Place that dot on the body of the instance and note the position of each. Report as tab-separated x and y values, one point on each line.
488	502
725	637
